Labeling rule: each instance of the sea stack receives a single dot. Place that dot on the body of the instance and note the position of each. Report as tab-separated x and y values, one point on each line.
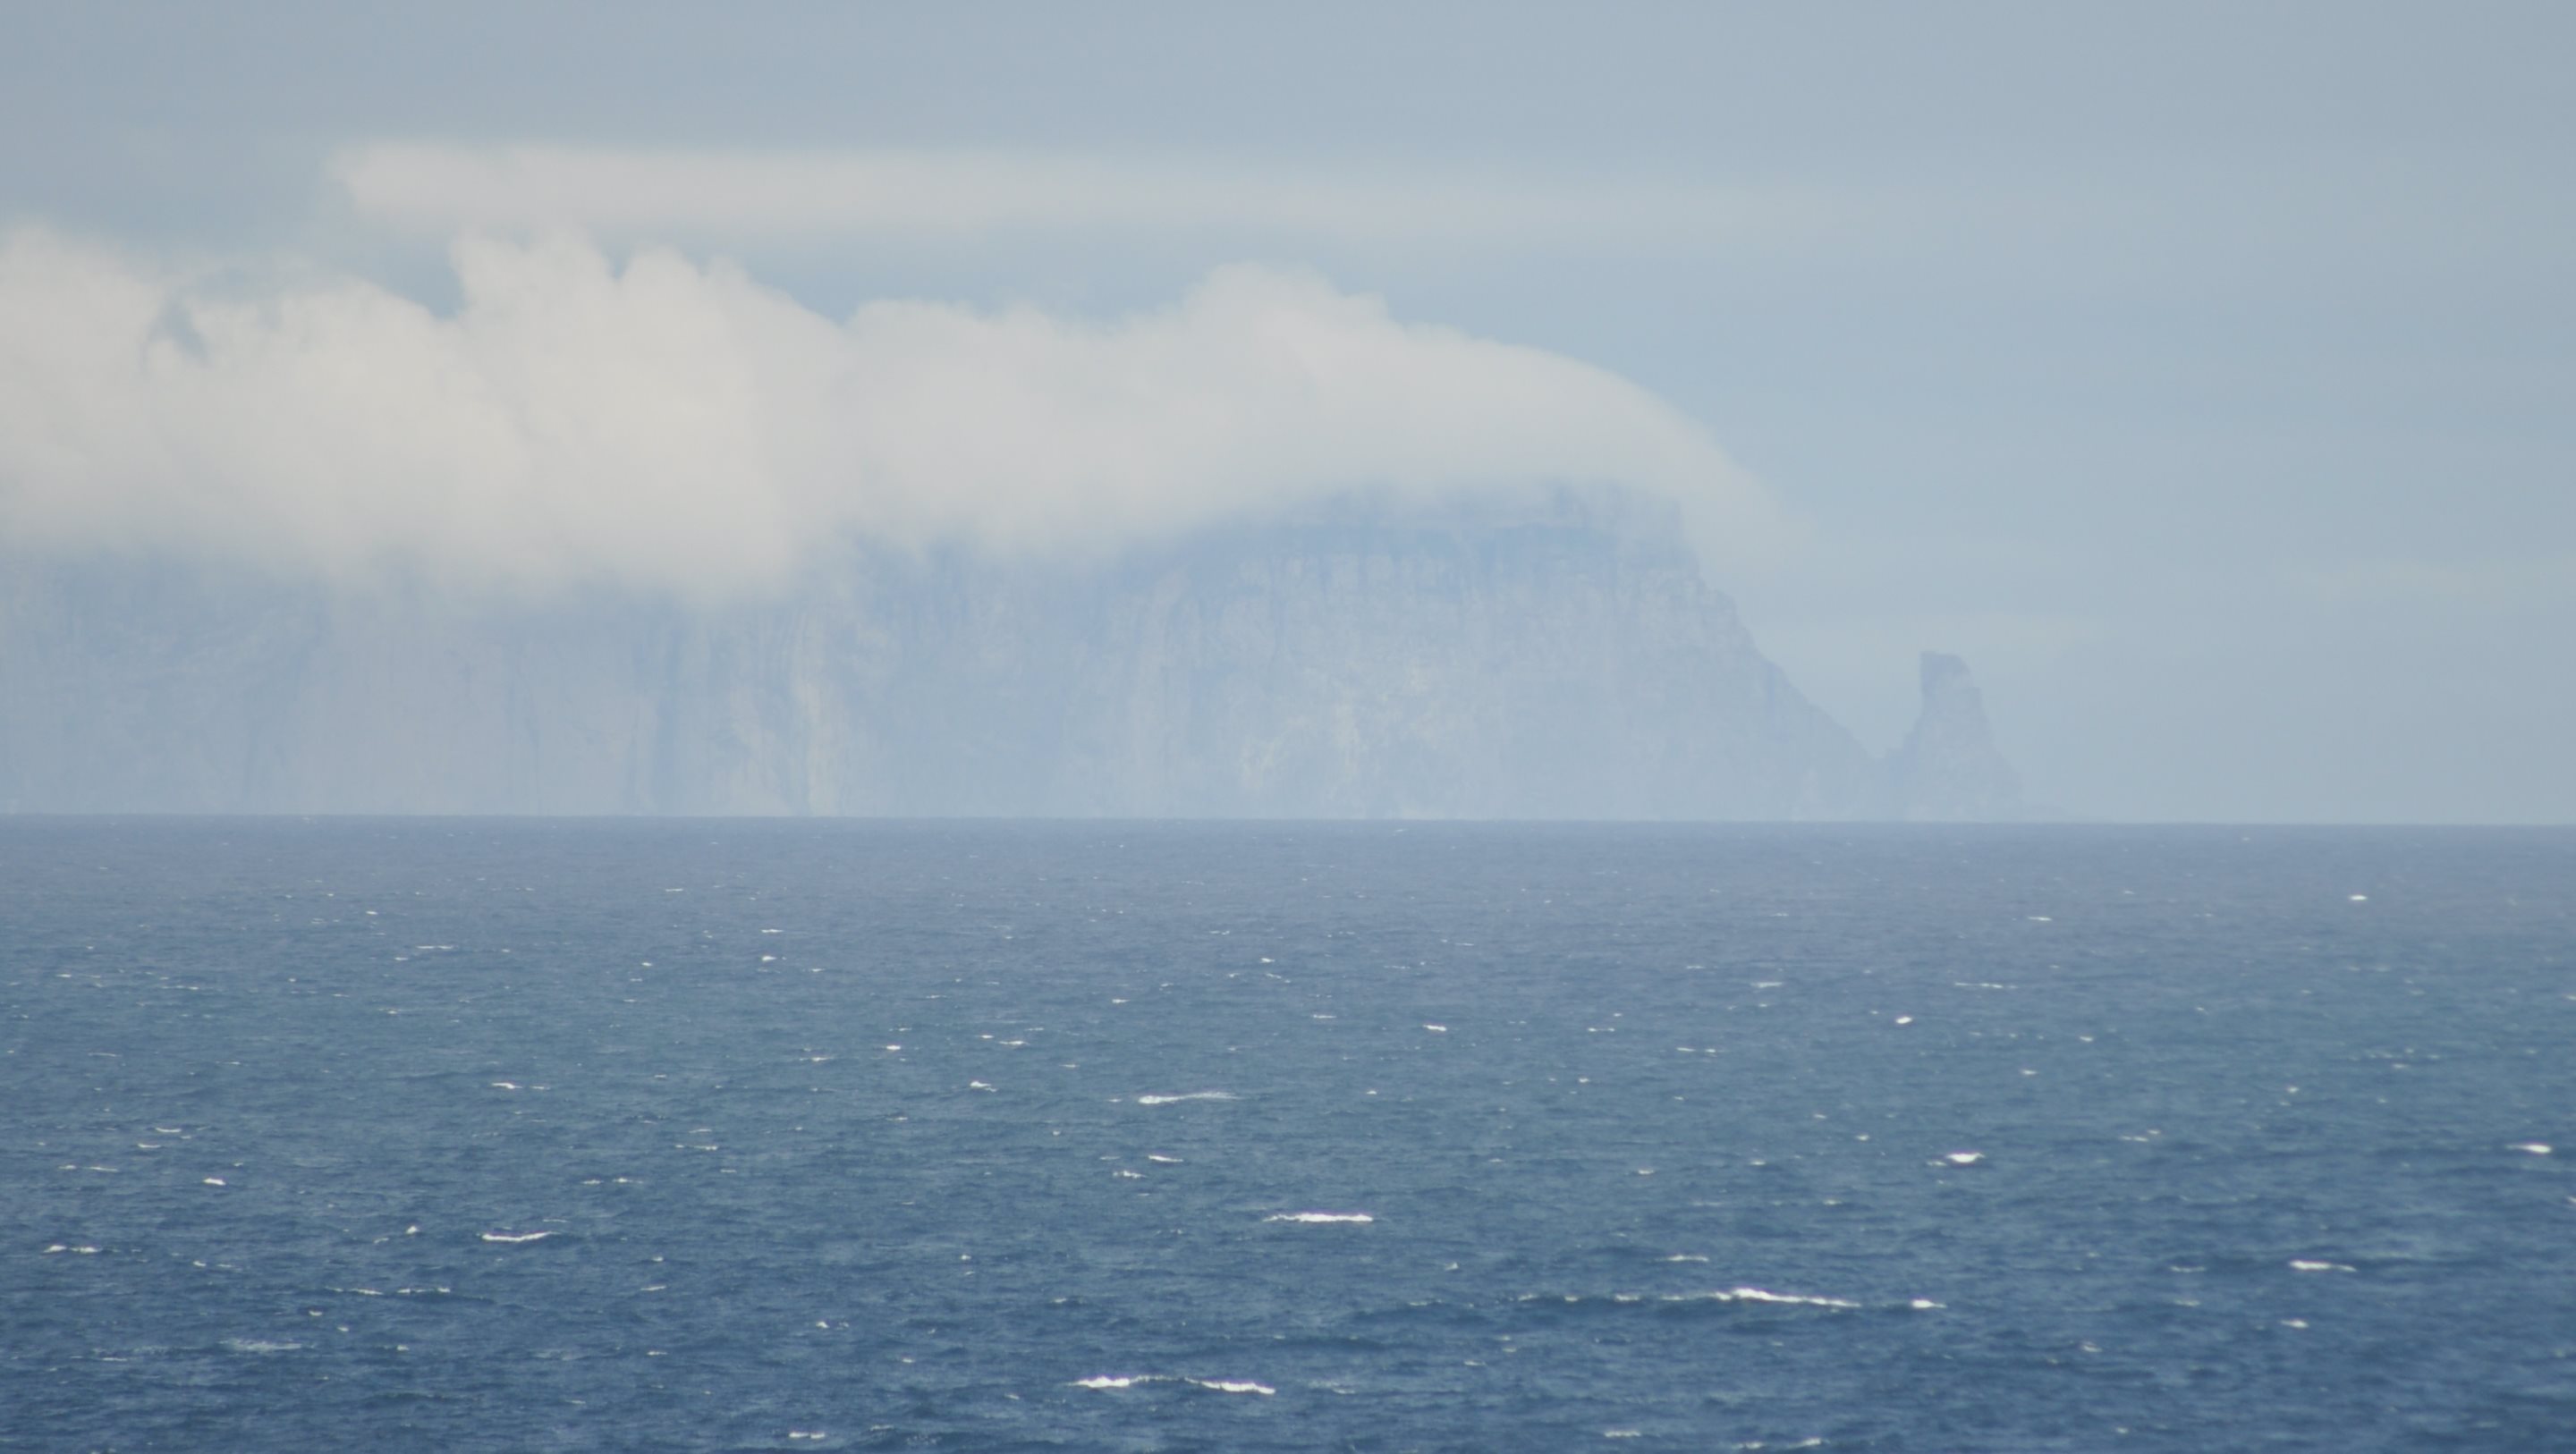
1948	770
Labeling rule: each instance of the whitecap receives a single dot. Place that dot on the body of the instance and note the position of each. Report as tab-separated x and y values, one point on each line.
2531	1148
1210	1095
1924	1305
1759	1295
1437	1029
1165	1160
1361	1217
214	1181
2303	1264
1106	1380
260	1345
514	1238
800	1433
1233	1385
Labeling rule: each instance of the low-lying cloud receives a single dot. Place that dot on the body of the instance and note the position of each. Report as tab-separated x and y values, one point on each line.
667	423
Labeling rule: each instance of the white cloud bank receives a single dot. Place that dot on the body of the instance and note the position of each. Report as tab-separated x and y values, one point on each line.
669	424
662	192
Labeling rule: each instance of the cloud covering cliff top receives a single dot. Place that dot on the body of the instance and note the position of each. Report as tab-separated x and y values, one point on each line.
663	422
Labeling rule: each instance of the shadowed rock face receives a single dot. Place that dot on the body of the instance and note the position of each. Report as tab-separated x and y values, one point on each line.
1947	770
1544	668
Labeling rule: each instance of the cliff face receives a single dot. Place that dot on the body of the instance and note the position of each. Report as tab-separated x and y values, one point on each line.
1546	669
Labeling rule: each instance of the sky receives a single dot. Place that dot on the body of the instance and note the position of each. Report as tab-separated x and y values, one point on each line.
2204	374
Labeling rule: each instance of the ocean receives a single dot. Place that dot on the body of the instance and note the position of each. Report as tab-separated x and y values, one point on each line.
528	1135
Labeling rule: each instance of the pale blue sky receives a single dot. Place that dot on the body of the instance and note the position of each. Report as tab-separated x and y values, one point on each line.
2203	373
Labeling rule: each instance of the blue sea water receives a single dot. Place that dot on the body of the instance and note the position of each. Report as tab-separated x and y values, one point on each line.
467	1135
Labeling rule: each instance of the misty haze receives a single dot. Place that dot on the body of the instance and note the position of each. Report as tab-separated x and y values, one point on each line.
1034	727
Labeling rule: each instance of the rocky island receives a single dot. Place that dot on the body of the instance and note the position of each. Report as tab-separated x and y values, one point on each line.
1549	666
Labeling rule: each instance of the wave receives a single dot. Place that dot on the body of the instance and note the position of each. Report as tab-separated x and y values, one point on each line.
1107	1381
515	1238
1319	1217
1760	1295
1211	1095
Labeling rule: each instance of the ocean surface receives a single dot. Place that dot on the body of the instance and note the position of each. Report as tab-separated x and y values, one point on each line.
472	1135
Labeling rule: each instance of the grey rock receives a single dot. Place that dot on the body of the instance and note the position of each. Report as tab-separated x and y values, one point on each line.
1947	770
1565	664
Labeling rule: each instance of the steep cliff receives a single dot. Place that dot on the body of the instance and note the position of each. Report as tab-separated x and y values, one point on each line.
1947	770
1536	667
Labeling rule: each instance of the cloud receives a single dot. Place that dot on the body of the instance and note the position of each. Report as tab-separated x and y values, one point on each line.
937	193
668	423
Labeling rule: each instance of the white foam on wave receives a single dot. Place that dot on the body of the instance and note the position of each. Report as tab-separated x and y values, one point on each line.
801	1433
2304	1264
1112	1381
2531	1148
1319	1217
1165	1160
1209	1095
1760	1295
261	1345
84	1250
1963	1158
515	1238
